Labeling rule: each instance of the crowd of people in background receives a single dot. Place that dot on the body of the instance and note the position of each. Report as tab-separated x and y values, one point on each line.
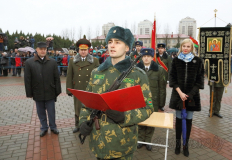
13	61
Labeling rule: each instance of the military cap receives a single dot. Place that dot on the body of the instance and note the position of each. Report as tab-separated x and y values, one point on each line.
83	44
138	43
41	45
163	45
122	34
147	51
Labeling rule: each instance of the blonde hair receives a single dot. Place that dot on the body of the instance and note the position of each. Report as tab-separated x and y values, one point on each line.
187	41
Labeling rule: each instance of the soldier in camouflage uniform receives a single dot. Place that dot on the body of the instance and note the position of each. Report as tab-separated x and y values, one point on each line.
138	46
157	81
79	70
164	60
118	136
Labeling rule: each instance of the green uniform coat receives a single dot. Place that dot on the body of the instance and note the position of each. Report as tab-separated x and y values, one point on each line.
78	78
117	140
167	60
157	81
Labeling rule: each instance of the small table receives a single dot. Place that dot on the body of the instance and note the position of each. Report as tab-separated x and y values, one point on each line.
161	120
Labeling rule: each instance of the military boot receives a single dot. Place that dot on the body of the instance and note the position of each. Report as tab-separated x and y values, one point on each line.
76	129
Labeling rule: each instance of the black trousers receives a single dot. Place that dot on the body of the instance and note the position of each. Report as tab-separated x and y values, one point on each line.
18	71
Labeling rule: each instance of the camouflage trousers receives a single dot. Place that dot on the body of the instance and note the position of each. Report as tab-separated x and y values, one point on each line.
127	157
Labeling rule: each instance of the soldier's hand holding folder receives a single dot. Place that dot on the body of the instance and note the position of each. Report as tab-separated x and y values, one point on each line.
116	116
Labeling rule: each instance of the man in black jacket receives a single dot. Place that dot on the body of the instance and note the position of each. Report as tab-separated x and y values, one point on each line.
42	83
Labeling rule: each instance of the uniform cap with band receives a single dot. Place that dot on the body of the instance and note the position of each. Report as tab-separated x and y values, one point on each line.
83	44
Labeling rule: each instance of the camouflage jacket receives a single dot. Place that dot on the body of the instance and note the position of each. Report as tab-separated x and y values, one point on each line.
115	140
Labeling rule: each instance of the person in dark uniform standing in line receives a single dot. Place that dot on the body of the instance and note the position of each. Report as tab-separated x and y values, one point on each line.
79	69
42	83
157	83
138	46
164	60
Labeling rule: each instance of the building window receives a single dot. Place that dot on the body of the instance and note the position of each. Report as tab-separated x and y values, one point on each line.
141	31
190	30
145	41
173	41
146	30
183	29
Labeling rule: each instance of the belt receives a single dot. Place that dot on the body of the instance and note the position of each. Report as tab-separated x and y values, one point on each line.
104	118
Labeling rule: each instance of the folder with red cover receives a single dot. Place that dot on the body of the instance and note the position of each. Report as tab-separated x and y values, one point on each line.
121	100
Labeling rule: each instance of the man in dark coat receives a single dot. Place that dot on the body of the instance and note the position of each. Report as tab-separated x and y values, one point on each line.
157	84
79	70
72	47
42	83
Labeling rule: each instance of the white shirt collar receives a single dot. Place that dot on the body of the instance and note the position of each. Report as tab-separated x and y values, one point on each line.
147	67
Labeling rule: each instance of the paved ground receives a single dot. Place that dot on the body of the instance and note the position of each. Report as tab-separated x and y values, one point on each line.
211	138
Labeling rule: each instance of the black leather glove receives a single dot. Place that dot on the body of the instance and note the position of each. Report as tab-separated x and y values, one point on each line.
85	129
116	116
70	94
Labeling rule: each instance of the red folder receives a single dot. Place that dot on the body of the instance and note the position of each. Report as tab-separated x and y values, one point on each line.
121	100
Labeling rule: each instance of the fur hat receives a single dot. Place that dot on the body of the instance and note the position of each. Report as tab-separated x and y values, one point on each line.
139	43
147	51
162	45
122	34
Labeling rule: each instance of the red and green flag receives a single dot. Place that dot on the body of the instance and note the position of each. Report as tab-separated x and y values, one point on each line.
194	42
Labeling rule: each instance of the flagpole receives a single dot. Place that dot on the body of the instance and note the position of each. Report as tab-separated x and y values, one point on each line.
215	16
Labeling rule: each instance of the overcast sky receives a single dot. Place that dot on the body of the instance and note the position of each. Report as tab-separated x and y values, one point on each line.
53	16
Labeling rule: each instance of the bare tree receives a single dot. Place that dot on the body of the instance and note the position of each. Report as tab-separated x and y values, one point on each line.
166	33
89	33
126	26
134	28
80	32
97	31
178	37
65	33
158	26
72	34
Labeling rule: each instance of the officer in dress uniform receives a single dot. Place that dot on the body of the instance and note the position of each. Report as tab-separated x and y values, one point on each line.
164	60
157	83
78	75
138	46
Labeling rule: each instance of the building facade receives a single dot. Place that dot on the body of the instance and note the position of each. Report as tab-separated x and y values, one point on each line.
106	28
188	26
145	27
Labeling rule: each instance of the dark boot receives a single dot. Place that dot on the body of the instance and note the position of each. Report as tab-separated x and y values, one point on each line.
189	127
76	129
178	135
